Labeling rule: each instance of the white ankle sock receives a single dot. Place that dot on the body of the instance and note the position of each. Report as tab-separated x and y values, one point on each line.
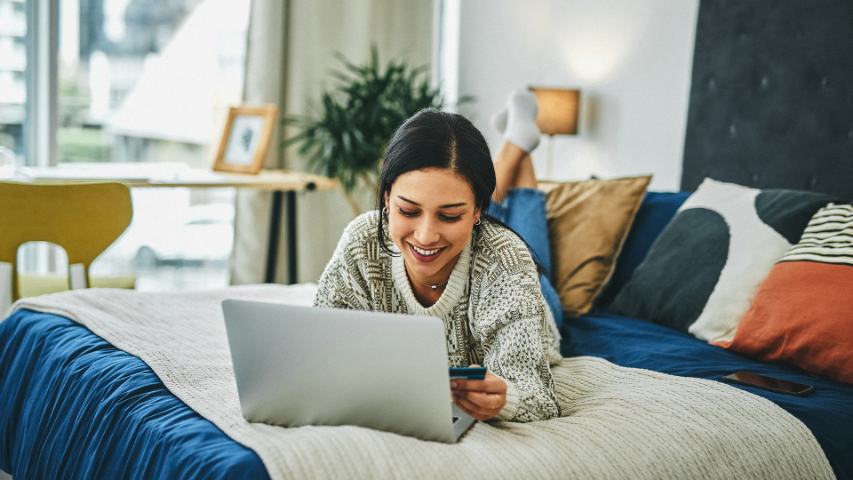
521	129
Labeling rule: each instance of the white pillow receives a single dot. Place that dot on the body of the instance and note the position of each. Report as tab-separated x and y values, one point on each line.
754	247
704	269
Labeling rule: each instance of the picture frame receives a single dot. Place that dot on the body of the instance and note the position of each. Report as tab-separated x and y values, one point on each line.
245	138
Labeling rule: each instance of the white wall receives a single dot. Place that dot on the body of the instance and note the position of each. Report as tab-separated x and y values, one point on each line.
632	60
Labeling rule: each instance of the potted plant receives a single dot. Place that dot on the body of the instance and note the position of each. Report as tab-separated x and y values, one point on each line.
346	138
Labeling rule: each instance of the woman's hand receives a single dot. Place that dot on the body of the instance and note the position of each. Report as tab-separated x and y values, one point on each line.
482	399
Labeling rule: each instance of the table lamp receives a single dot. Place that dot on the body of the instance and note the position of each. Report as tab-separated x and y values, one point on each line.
558	113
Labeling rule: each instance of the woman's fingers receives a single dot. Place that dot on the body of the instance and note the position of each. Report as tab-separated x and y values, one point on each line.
472	408
482	399
467	406
490	401
491	384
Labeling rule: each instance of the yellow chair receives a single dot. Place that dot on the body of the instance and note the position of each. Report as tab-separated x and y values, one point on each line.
82	218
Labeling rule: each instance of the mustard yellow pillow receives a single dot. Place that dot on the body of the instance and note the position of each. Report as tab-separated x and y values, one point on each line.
588	222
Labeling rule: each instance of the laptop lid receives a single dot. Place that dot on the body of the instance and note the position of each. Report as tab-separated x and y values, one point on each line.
315	366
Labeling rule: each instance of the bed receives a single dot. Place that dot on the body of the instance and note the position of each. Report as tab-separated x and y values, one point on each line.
76	405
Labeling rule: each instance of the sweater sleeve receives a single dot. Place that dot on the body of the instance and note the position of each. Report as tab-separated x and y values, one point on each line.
343	284
509	324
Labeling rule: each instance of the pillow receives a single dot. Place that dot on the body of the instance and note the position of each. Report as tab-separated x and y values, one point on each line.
654	214
587	225
701	273
802	313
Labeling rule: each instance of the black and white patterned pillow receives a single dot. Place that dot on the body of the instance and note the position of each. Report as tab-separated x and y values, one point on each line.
703	270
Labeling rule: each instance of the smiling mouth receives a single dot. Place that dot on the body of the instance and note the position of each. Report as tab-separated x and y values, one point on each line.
424	254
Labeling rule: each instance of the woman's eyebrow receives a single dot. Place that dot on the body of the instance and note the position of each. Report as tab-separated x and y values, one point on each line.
447	205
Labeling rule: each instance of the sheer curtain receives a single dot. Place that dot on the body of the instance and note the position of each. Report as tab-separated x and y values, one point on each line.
290	54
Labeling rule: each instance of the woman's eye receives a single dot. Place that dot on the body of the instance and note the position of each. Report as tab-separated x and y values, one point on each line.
442	217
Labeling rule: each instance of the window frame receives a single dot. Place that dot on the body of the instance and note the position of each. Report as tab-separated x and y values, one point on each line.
42	48
40	127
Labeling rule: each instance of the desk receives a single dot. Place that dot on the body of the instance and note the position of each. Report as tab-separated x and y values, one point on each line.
175	175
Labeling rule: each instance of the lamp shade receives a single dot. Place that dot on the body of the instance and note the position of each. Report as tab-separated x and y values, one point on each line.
558	110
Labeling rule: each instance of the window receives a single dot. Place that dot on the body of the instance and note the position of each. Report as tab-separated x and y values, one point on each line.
13	65
137	81
146	81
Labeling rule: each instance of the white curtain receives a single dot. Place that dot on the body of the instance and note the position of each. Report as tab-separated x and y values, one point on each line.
290	54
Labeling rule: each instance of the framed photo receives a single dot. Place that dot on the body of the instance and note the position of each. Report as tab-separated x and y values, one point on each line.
245	139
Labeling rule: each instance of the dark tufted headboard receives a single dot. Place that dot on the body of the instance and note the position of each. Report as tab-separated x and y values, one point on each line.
771	102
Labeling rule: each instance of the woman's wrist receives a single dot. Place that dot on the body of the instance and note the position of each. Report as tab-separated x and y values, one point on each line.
510	408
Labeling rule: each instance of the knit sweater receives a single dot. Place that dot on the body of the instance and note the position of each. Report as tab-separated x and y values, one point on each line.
492	307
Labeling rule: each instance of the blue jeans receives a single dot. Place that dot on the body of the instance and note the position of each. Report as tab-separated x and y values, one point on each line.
523	210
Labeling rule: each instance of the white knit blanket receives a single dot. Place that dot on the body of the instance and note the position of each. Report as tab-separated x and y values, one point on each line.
617	422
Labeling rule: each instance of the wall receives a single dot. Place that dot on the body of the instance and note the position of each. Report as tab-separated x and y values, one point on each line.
632	60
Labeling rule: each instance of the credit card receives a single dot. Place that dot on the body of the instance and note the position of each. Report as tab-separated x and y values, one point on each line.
468	373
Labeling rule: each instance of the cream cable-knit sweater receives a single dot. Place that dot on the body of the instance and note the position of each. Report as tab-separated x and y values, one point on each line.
492	307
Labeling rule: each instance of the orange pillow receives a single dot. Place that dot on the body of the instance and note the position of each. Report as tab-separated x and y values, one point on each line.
588	222
803	311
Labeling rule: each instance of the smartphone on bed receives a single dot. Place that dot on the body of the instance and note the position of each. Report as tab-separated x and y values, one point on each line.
768	383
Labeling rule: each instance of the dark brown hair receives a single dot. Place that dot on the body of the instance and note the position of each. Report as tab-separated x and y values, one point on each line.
436	139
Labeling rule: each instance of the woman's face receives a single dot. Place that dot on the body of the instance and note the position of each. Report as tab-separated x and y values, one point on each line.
431	215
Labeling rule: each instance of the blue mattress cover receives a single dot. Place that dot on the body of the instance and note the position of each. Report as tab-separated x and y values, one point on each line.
74	406
827	412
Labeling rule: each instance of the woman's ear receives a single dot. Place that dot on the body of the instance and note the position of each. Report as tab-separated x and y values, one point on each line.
387	200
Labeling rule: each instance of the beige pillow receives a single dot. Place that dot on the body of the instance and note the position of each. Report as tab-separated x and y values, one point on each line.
587	225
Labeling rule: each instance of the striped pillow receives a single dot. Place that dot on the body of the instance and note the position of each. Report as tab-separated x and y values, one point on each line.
828	238
802	313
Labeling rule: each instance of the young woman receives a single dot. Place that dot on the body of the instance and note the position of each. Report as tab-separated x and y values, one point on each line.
431	249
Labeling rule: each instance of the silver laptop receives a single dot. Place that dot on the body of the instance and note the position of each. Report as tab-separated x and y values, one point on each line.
316	366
